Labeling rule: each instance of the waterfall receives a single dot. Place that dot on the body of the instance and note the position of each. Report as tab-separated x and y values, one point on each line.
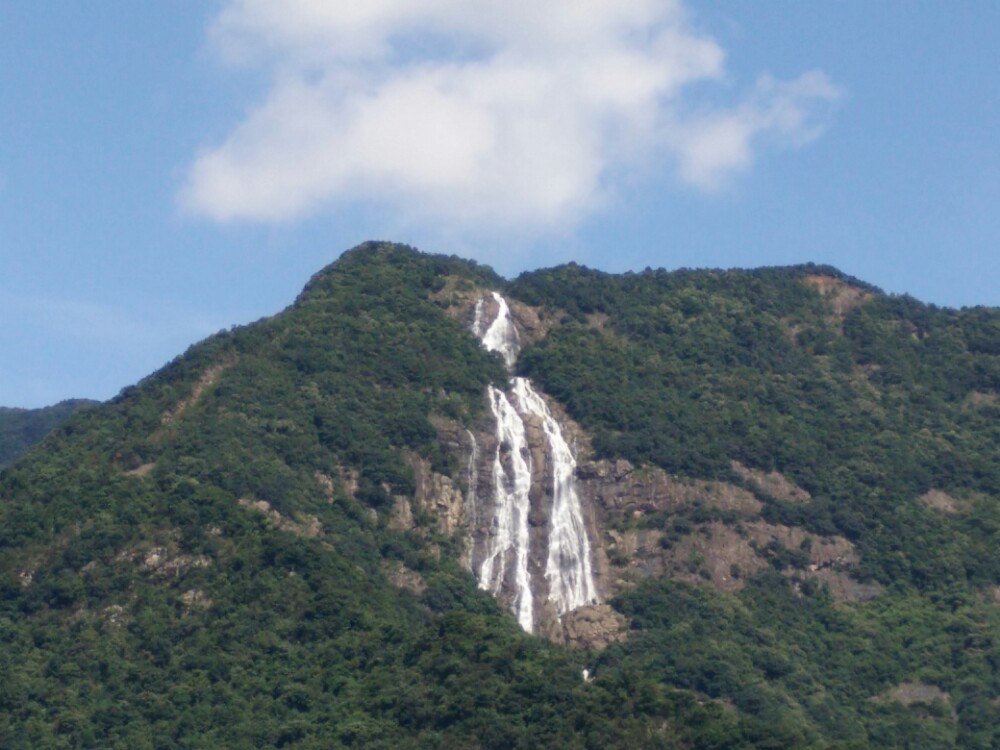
568	567
472	476
471	501
501	335
509	544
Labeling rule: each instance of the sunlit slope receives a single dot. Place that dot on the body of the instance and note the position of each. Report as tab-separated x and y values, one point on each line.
215	559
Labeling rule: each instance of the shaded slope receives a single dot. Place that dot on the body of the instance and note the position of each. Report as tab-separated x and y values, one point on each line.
20	429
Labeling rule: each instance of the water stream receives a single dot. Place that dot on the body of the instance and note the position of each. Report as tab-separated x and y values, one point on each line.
568	569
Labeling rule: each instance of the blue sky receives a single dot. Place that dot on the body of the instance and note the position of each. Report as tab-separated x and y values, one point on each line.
167	170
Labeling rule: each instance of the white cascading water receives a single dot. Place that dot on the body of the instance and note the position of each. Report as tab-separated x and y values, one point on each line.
471	501
501	335
568	569
510	543
472	473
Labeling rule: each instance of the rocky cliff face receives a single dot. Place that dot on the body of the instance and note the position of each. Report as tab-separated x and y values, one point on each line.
640	522
704	532
632	522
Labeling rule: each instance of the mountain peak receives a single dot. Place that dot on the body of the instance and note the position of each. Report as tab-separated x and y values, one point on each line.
393	262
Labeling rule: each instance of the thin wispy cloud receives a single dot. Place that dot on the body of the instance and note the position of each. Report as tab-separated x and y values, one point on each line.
510	114
100	324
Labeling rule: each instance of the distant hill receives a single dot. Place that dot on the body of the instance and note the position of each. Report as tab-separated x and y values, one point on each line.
772	495
22	428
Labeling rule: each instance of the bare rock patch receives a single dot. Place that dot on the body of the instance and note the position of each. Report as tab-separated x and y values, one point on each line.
143	470
403	577
840	297
617	486
303	525
773	484
594	626
208	378
940	501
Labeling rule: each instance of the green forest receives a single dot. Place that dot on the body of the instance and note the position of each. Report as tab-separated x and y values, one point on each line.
144	604
22	428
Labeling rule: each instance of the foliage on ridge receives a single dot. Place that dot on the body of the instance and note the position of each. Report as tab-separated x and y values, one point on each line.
20	429
142	605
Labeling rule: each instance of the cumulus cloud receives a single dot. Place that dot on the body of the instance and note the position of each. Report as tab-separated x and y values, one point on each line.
513	113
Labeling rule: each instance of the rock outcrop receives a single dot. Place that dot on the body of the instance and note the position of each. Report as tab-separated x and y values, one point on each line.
705	532
593	627
839	296
437	494
772	484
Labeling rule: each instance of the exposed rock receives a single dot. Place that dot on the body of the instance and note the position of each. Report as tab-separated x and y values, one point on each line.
349	481
158	561
940	501
823	551
597	320
714	553
114	615
142	470
209	378
438	495
607	470
303	525
401	518
617	486
403	577
195	599
457	295
839	296
326	485
982	399
844	588
594	627
162	560
724	556
772	484
910	693
533	323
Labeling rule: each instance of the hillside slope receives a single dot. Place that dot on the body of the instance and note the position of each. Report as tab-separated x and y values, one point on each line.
20	429
790	481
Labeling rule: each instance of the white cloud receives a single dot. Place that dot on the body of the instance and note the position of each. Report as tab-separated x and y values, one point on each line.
512	113
712	146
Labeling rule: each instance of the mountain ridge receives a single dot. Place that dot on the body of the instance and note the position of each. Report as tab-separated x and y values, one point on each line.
252	545
20	428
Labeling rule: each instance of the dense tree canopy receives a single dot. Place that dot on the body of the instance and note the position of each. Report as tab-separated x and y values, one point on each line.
145	603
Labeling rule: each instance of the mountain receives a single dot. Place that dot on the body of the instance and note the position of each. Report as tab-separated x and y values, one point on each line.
20	429
428	507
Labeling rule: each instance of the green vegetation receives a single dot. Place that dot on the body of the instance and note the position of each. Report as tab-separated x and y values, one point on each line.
867	407
694	369
20	429
142	606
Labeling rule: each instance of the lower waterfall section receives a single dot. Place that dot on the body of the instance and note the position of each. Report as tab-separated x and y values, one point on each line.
567	567
508	544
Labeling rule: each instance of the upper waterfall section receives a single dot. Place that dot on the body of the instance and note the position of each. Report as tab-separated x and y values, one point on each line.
500	335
